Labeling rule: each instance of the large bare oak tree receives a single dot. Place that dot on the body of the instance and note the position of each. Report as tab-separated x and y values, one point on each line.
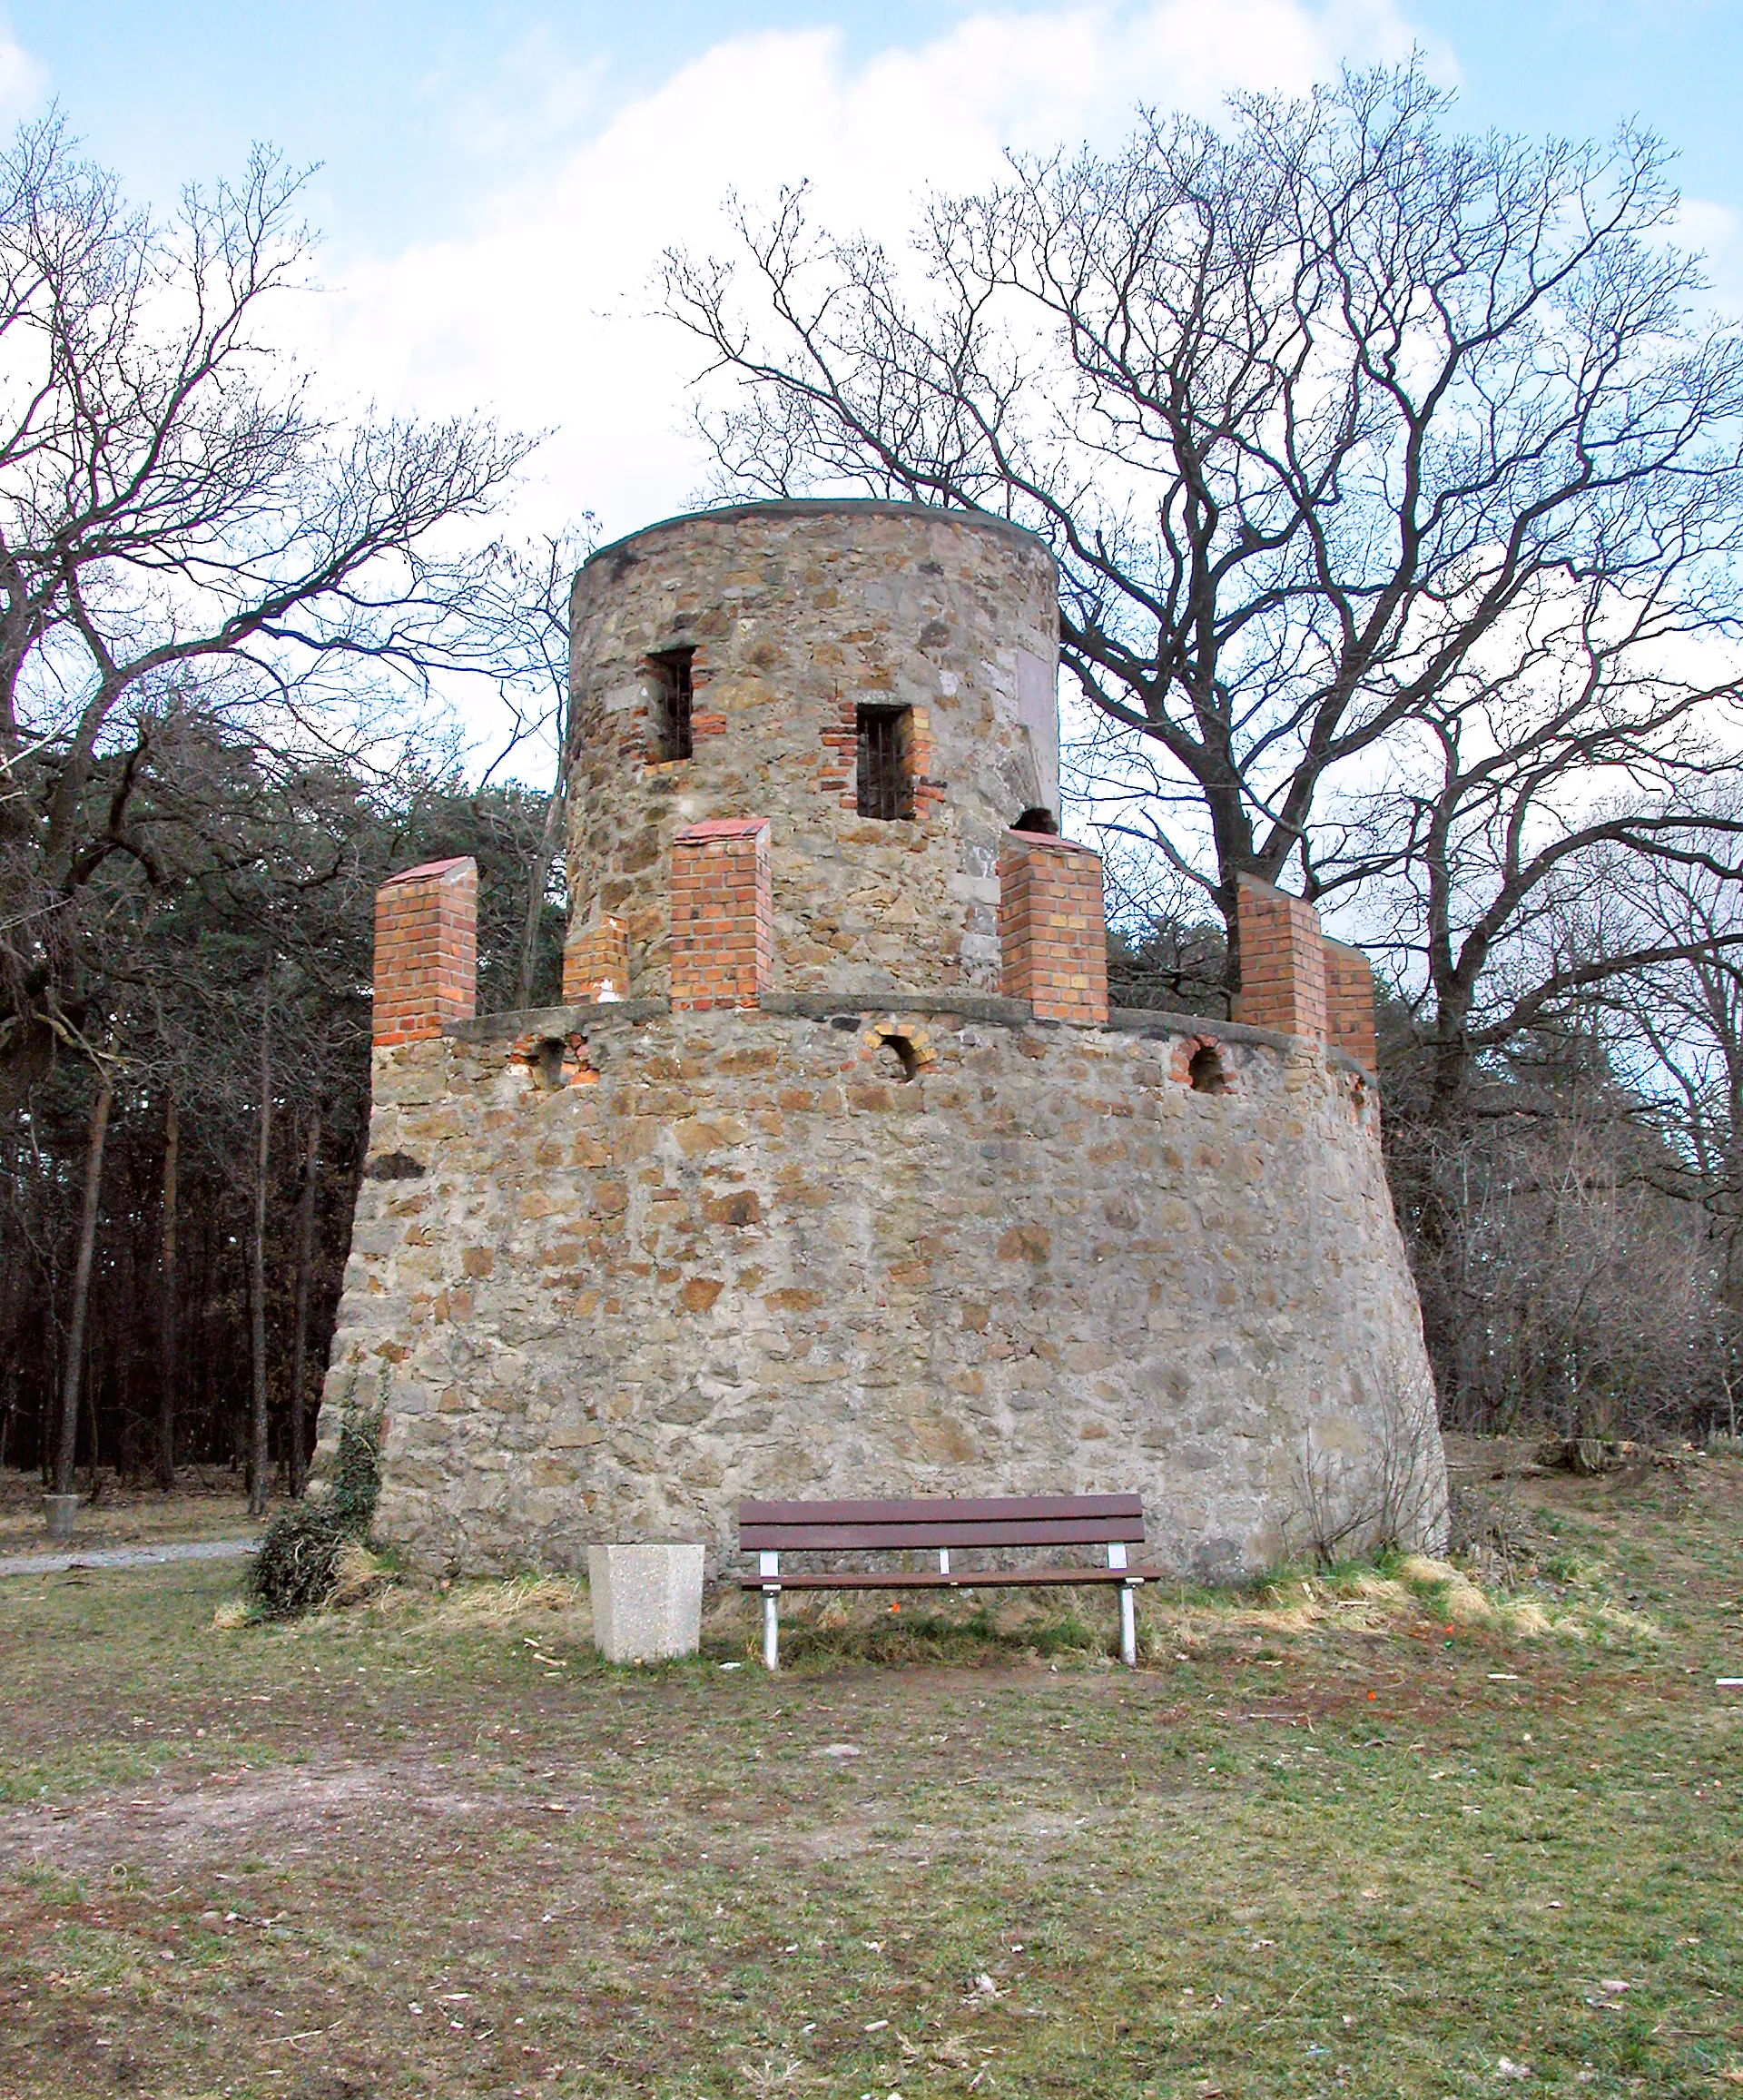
1321	412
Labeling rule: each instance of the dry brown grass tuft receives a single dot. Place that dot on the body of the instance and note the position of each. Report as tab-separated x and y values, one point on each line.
358	1576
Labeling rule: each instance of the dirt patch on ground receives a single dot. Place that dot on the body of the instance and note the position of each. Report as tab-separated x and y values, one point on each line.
269	1814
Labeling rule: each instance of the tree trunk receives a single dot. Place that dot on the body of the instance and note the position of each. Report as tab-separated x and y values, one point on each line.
540	873
167	1368
123	1329
257	1265
305	1261
82	1286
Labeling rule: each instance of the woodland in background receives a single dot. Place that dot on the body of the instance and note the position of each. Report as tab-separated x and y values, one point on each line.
223	609
281	951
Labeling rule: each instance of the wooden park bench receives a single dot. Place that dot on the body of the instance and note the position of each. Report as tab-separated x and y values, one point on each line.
942	1525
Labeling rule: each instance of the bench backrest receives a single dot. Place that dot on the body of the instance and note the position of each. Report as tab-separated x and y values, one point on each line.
929	1522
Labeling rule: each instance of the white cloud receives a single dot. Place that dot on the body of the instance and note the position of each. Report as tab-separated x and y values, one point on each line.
22	80
538	310
1716	232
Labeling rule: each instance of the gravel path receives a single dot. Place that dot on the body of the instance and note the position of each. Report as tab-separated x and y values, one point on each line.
127	1556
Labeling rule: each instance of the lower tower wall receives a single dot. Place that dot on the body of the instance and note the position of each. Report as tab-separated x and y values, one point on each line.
617	1270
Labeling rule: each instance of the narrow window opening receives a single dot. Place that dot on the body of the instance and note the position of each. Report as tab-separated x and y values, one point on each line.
548	1063
673	692
886	783
1206	1072
1037	820
897	1059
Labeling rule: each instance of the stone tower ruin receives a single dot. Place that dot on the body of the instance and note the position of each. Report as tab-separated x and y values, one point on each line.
835	1174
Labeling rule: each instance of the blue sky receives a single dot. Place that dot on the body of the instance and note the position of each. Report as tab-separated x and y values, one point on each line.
410	105
497	183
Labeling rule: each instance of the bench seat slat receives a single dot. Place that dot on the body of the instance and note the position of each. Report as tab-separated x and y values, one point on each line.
932	1509
988	1579
819	1538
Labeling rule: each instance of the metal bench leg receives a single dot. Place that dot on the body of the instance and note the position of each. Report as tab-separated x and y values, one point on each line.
1128	1628
770	1628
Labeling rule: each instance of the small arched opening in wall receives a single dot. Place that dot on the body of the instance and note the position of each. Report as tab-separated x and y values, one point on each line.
898	1052
1206	1074
1037	820
898	1059
555	1062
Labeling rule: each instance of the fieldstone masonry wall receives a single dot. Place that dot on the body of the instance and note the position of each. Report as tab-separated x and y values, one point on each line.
798	613
838	1176
866	1252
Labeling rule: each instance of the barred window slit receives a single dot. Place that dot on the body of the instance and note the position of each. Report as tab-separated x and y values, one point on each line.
886	785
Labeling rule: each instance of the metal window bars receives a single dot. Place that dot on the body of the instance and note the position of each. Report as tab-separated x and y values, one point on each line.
886	788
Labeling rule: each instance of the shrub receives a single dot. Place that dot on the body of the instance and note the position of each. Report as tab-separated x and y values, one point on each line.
298	1562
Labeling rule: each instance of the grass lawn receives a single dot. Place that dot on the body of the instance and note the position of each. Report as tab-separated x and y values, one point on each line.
1319	1843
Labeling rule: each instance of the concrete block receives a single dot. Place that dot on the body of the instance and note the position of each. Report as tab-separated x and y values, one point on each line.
647	1601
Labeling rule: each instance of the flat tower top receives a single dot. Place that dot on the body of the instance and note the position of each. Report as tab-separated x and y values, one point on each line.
831	506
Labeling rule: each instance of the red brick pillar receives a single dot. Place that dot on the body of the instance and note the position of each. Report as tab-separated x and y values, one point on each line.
1283	963
426	951
1050	927
596	962
723	915
1349	1003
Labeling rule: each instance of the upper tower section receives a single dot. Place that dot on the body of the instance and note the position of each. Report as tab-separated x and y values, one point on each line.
877	680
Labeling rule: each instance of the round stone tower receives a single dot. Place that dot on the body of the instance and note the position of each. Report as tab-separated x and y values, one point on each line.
835	1175
876	679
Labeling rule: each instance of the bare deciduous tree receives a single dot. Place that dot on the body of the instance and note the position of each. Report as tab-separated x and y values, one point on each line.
169	1360
69	1443
1316	414
1474	851
298	1455
520	617
170	495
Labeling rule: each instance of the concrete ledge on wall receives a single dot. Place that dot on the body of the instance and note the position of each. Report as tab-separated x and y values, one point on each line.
1138	1019
1341	1061
882	999
556	1021
1143	1020
567	1021
617	551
